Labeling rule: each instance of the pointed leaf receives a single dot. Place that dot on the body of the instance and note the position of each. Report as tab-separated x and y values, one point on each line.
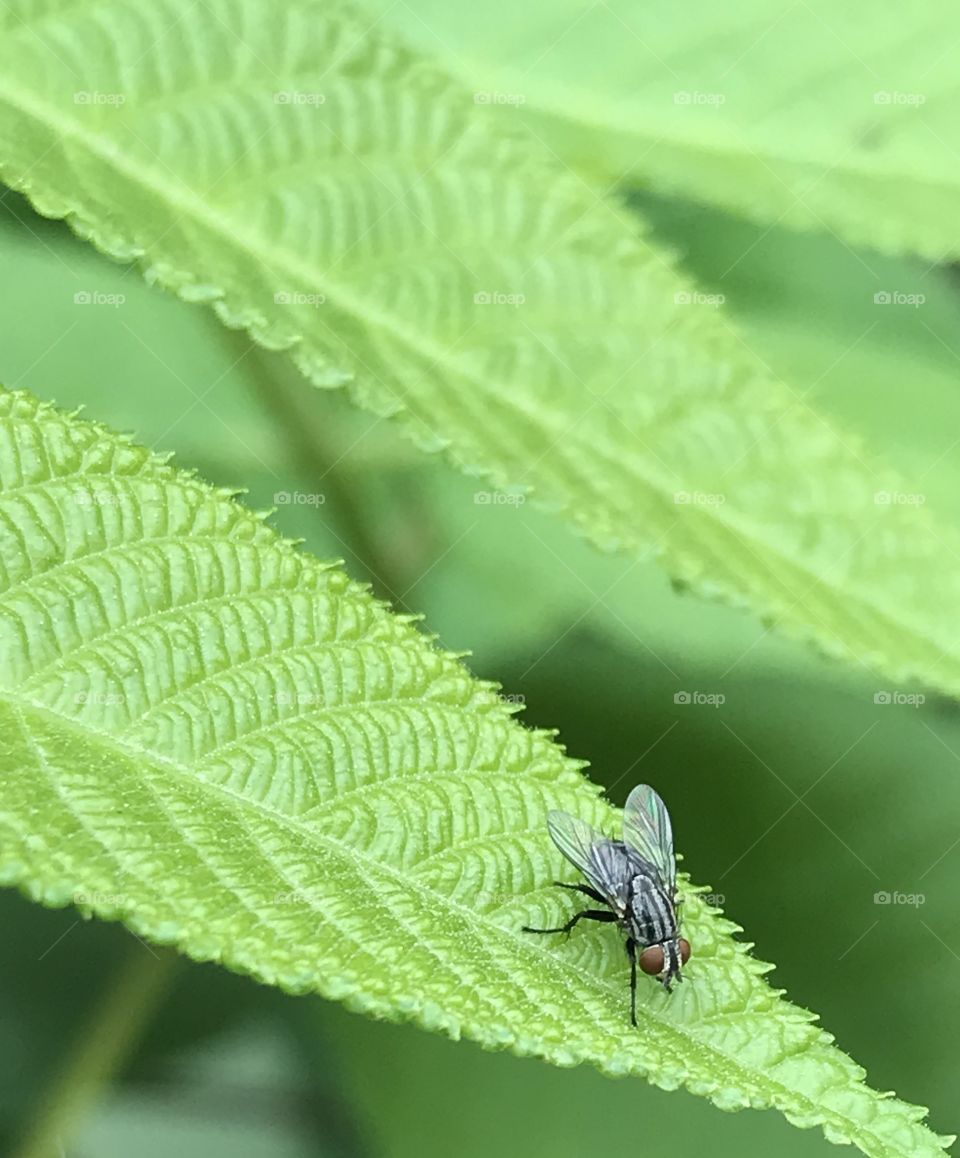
235	750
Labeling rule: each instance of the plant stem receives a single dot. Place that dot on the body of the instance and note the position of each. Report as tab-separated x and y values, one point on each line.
105	1042
313	458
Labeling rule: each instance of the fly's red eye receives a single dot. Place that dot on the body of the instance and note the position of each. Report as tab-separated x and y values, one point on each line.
684	946
651	960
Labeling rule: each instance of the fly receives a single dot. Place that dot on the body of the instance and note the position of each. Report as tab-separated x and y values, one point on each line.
635	878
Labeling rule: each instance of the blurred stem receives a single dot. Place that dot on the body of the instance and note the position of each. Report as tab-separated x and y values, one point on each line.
328	1110
131	997
314	458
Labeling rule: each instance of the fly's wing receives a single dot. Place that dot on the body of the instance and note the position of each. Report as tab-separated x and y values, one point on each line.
647	831
583	846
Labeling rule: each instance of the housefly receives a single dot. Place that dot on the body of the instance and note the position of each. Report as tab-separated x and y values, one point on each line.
635	878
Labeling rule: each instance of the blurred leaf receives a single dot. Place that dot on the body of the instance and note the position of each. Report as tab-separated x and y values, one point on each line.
808	306
43	1005
512	337
813	115
494	577
235	750
506	1105
185	390
210	1066
452	552
241	1094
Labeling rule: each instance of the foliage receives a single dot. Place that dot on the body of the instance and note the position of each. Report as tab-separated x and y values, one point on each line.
236	751
823	118
341	198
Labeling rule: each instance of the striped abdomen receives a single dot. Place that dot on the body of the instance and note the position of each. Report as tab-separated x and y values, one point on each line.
652	917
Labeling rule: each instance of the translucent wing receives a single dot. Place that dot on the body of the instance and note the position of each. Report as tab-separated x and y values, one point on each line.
646	830
594	854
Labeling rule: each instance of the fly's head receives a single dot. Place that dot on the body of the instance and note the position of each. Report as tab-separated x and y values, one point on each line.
665	961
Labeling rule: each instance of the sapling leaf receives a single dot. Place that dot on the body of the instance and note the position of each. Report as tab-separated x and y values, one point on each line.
340	197
807	115
235	750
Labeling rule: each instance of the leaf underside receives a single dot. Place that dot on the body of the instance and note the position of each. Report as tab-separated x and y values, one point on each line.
341	198
234	749
833	118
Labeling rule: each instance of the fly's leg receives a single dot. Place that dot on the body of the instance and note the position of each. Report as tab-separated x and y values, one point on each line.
585	889
586	915
632	954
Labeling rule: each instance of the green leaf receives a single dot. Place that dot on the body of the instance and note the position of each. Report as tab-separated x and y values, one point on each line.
343	199
235	750
812	115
